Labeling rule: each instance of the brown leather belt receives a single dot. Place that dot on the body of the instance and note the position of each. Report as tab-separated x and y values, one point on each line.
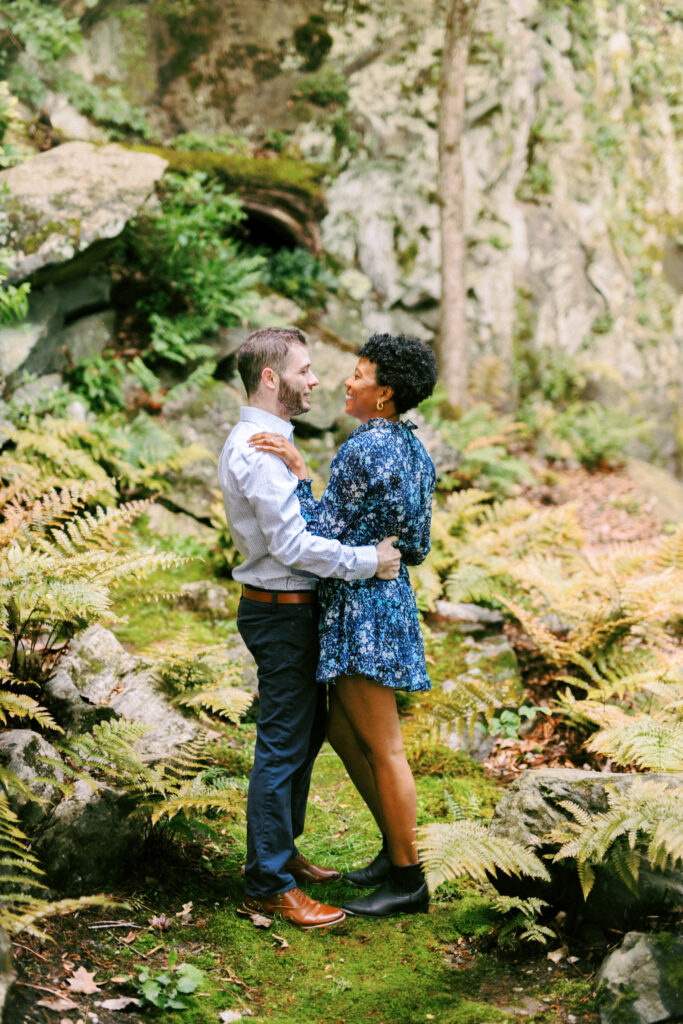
279	596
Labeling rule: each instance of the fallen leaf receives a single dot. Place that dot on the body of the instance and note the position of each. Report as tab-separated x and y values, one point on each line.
61	1003
283	942
83	981
130	937
260	921
185	914
123	1003
556	955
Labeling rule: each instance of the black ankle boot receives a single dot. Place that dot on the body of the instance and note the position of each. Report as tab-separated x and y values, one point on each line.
393	896
374	873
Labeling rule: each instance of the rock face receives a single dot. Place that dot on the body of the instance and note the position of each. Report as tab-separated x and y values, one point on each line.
62	201
532	807
640	982
26	752
203	417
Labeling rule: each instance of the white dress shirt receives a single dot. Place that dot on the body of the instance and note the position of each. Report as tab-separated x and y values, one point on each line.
265	520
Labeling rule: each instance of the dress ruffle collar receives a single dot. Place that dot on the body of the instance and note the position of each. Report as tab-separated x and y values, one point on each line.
382	421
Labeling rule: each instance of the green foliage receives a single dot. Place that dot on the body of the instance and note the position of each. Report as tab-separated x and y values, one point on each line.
522	920
13	298
167	990
313	41
297	274
58	564
40	30
476	545
645	820
99	380
589	432
200	678
508	722
483	441
228	557
196	280
107	105
323	88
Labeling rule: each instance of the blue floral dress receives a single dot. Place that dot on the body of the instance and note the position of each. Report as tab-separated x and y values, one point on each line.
381	484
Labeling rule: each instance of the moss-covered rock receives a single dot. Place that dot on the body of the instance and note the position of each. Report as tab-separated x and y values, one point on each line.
641	982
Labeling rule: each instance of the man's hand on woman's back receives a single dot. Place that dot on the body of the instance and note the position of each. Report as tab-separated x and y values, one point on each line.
388	559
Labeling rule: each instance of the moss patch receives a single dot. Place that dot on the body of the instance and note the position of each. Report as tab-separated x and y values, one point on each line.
241	173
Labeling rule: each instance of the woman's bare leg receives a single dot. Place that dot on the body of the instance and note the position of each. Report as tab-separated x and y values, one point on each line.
370	709
343	740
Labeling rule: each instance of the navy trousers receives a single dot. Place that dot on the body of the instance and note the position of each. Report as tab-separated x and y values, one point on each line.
283	639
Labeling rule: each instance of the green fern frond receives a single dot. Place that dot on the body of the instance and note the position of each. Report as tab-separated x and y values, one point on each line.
20	706
470	848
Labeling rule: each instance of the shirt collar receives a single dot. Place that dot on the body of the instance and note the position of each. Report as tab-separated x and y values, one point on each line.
267	421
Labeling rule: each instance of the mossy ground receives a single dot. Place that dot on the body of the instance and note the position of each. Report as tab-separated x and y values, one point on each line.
444	967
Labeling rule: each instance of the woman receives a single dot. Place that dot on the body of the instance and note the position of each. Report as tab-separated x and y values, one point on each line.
381	484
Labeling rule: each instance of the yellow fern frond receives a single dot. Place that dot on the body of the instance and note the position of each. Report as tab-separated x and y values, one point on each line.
644	741
470	848
221	699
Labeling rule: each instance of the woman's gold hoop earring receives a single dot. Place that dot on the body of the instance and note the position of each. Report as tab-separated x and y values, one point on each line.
380	406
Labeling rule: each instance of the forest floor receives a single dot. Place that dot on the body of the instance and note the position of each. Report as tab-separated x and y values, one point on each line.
183	899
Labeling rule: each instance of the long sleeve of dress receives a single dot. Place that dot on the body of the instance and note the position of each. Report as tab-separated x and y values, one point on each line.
343	497
415	553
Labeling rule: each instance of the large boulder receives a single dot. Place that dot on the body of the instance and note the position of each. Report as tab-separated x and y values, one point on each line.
532	807
91	839
105	675
34	762
640	981
62	201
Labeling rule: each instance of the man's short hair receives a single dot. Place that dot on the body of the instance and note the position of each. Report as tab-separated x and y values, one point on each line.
266	347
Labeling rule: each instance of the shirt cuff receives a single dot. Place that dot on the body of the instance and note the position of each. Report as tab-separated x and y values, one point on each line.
367	561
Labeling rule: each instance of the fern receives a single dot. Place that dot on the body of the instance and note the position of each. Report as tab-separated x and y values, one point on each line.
470	848
645	821
651	743
221	699
522	920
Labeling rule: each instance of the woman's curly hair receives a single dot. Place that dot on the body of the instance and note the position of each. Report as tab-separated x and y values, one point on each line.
405	364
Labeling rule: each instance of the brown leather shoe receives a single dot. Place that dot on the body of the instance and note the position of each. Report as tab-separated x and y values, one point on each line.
304	871
295	907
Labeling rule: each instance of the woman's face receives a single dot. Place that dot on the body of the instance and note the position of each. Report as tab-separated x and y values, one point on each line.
363	392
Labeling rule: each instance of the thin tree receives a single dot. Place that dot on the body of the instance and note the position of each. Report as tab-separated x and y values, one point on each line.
452	347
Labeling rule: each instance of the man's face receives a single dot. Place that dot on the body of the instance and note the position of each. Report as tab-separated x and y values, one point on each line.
296	381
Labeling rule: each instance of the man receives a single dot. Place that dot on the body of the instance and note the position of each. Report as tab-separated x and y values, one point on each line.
277	619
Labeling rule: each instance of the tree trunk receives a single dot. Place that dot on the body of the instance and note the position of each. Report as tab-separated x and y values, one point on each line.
452	348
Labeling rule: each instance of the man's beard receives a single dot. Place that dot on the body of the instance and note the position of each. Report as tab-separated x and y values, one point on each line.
291	401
